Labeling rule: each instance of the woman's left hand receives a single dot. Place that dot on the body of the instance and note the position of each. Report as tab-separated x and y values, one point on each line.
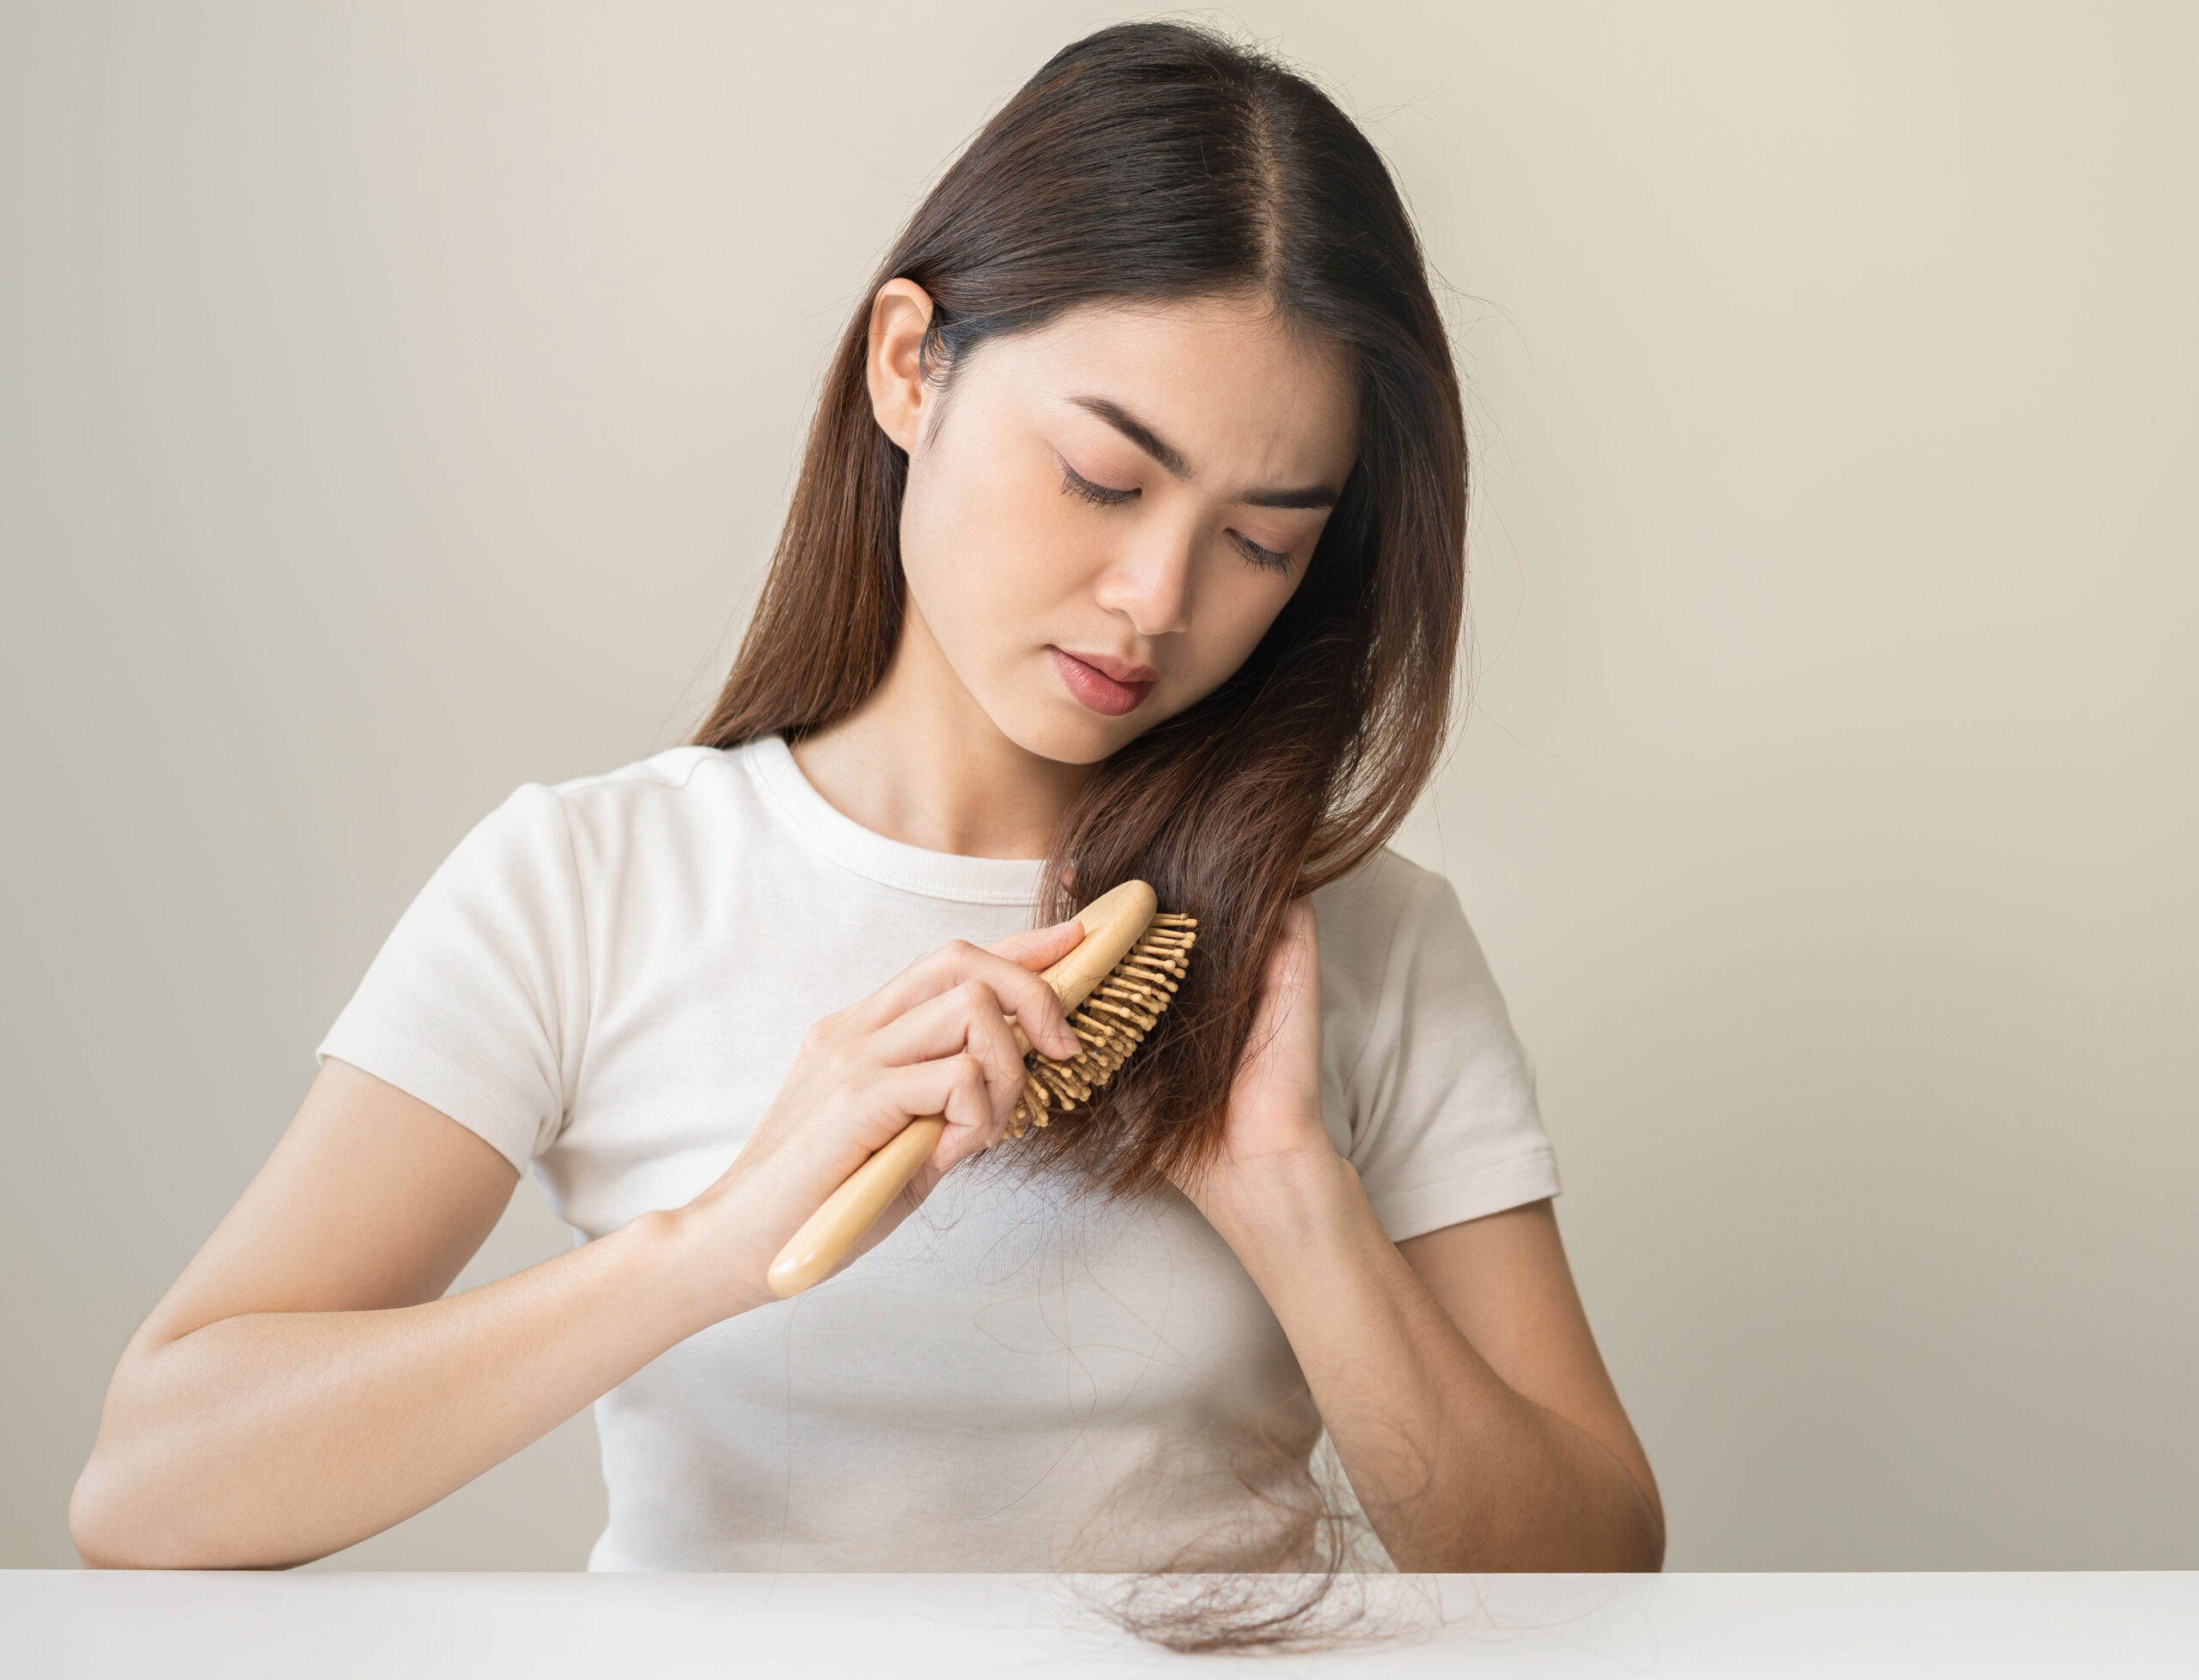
1274	1131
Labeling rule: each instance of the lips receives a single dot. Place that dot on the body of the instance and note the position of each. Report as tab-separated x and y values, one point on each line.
1108	686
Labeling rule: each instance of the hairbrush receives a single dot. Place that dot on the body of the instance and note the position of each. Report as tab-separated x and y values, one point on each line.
1113	987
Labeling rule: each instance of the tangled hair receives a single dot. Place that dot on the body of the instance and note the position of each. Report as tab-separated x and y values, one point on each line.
1158	161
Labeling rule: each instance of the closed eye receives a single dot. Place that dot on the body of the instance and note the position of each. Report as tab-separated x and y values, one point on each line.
1266	558
1075	483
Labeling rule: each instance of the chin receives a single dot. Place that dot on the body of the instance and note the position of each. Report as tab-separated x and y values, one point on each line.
1068	734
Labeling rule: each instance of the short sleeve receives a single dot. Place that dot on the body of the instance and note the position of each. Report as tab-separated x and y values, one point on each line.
1439	1095
477	1002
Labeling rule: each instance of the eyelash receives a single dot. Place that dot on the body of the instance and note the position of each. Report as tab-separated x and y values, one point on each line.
1265	558
1075	483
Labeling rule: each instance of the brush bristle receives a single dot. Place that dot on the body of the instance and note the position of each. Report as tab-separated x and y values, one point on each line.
1110	1023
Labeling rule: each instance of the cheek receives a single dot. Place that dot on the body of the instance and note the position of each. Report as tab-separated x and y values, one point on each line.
1236	605
988	556
927	518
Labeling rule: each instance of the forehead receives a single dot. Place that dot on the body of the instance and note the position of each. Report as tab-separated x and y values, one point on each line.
1240	390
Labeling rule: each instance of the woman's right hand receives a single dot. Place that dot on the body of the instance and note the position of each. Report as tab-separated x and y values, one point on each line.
934	1039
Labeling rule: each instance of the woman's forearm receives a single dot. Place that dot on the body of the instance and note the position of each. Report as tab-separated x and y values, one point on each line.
1455	1469
273	1438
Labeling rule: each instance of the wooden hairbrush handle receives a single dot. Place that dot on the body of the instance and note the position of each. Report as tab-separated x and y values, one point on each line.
1114	922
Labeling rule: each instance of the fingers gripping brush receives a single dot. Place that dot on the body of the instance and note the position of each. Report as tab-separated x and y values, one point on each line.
1113	987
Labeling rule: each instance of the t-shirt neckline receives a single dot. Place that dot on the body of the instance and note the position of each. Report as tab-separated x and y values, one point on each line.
969	881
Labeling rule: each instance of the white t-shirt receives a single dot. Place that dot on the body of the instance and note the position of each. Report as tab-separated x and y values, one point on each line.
608	980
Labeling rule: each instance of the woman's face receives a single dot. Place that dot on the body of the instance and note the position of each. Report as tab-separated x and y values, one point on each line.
1104	516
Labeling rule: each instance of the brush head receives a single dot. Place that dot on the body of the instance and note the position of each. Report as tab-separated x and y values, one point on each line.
1110	1022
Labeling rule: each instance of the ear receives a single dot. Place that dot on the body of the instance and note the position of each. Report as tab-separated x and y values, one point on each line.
900	400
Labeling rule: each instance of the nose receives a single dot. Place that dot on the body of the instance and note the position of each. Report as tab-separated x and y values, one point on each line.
1150	584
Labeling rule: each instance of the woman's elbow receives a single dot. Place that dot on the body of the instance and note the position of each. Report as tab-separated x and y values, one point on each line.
107	1533
113	1515
124	1513
1644	1539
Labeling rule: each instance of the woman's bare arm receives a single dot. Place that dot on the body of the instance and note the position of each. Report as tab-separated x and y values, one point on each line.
1455	1371
305	1383
1504	1286
1473	1416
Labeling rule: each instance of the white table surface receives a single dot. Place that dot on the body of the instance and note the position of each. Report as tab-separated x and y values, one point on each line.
545	1627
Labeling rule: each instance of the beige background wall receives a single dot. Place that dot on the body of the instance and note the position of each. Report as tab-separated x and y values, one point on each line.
397	401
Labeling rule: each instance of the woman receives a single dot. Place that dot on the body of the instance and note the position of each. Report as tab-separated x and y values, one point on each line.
1130	539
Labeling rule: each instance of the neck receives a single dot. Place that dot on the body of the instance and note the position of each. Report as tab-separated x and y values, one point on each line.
921	763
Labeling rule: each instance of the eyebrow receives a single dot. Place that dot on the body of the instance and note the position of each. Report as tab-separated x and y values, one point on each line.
1172	458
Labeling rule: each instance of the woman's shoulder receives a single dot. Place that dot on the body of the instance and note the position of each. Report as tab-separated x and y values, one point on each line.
661	778
658	819
1363	917
1395	941
1435	1093
683	796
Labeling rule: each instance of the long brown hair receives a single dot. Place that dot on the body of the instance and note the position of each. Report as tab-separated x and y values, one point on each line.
1157	162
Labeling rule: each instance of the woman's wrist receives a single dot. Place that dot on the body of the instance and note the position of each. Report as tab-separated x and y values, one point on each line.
683	1254
1266	1206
